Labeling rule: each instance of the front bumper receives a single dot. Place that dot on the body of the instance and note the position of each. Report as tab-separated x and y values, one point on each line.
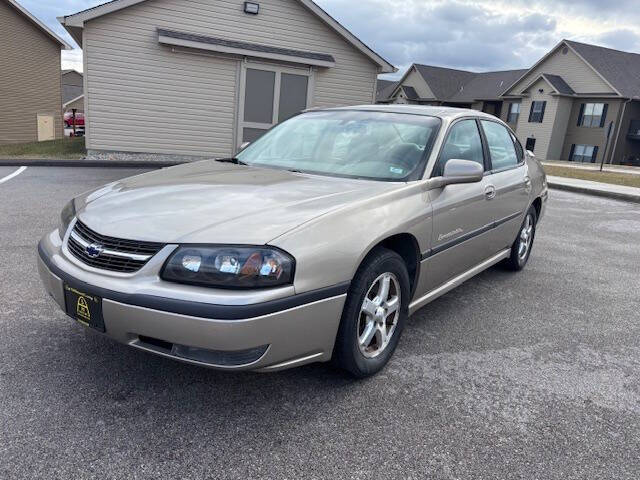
143	312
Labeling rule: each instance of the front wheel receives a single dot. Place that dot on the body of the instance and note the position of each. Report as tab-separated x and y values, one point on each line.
521	248
374	314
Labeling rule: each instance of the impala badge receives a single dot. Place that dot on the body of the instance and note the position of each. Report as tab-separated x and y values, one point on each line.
445	236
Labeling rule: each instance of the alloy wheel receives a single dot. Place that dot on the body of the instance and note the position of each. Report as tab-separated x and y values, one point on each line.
526	238
379	315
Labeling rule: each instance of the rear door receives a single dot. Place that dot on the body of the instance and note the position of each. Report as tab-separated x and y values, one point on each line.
461	219
508	176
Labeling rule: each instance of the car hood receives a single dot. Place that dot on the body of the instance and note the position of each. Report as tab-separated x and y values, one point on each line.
213	202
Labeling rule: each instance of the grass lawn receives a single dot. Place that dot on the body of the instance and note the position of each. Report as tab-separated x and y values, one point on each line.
66	148
615	178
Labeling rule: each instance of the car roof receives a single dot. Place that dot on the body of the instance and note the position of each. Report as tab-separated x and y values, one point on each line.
431	111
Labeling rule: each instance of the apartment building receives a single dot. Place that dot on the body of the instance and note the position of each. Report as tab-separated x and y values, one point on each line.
578	103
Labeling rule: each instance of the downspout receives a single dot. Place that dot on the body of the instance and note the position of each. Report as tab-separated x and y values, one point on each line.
621	118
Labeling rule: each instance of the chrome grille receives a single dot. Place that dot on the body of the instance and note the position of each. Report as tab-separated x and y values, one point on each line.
115	254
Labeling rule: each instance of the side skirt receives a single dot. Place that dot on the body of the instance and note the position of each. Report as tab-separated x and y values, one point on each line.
456	281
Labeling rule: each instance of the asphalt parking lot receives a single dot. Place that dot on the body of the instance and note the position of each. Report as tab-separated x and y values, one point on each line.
533	375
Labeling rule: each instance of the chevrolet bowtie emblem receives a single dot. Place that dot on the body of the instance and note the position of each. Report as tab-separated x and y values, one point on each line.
94	250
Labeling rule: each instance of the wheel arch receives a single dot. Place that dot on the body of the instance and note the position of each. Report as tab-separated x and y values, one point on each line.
406	245
537	204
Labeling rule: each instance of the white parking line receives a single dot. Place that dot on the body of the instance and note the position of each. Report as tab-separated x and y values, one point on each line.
14	174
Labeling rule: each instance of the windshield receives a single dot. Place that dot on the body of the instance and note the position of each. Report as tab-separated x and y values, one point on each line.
358	144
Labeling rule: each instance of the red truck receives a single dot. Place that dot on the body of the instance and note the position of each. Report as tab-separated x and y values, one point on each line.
68	119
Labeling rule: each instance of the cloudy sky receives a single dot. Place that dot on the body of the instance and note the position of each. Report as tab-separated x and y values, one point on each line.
480	35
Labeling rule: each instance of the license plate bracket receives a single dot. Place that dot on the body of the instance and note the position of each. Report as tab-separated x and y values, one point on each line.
84	308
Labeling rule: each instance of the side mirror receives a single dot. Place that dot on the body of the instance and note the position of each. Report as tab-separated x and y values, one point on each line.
456	172
462	171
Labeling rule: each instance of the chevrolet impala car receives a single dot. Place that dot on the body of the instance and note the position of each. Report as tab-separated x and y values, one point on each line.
315	243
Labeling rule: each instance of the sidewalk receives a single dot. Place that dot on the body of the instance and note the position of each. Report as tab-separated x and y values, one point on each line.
594	167
619	192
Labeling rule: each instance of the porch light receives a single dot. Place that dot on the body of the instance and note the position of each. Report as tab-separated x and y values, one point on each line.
252	8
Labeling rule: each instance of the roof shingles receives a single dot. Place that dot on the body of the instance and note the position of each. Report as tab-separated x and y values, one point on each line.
620	69
559	84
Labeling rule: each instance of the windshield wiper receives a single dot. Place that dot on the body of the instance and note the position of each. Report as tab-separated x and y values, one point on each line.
234	160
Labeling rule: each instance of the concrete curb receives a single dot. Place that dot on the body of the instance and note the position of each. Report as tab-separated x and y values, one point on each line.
56	162
627	197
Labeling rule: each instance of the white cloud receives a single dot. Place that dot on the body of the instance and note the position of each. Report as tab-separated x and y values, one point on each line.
484	34
72	59
469	34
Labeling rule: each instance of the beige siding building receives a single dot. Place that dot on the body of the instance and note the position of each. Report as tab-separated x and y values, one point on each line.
587	96
189	78
72	91
30	92
579	103
430	85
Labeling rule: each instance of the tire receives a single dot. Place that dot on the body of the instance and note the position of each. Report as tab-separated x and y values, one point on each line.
523	244
365	355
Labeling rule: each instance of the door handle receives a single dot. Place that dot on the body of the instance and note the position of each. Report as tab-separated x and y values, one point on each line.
490	192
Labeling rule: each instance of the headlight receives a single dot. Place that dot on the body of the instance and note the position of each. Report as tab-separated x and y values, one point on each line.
68	214
229	267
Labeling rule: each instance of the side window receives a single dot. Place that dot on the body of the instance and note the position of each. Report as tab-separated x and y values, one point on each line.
463	143
501	147
519	149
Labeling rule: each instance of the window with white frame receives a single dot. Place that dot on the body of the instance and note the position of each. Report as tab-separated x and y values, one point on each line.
514	112
592	115
536	115
583	153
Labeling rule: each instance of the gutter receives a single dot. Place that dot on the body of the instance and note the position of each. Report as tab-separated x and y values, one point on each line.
620	119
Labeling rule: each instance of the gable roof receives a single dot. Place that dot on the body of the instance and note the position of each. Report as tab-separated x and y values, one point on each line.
584	51
444	82
410	92
486	86
66	103
384	89
559	84
76	21
463	86
620	69
40	25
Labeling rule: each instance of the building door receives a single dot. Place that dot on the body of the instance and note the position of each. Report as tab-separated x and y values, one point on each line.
531	144
46	128
270	95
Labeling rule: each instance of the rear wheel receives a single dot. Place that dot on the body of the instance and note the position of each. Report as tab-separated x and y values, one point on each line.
374	314
521	248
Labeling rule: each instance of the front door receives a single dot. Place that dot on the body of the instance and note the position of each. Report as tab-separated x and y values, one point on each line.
461	218
270	95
